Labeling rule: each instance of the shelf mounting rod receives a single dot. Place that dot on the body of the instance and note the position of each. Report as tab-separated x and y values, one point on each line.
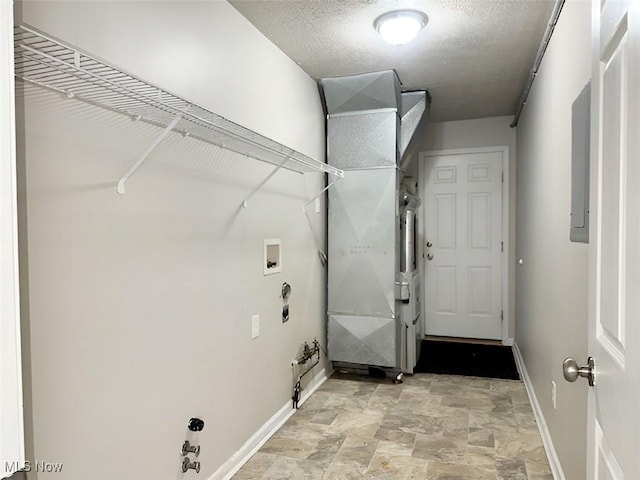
255	190
147	152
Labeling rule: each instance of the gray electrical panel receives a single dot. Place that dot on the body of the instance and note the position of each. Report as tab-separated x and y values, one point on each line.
580	148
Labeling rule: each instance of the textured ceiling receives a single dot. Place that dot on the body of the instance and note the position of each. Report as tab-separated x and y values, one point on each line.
474	56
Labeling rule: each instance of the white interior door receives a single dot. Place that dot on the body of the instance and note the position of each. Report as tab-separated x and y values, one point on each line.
463	245
11	427
614	311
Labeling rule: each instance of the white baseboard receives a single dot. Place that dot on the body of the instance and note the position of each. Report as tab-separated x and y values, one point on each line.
508	342
552	456
229	468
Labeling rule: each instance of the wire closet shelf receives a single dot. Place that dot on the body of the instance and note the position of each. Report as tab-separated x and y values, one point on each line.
52	64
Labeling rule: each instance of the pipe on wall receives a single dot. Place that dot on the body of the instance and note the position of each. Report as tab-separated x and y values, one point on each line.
553	21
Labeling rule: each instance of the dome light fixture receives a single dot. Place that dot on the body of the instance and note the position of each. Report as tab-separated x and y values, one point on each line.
399	27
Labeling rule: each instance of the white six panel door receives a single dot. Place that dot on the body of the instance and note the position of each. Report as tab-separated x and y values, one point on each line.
463	243
614	310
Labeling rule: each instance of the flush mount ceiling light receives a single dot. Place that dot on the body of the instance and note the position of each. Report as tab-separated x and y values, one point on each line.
400	26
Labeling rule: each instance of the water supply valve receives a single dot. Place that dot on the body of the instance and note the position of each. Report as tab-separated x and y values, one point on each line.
188	465
187	448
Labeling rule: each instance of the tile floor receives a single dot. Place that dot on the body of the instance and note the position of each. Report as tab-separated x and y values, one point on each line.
431	427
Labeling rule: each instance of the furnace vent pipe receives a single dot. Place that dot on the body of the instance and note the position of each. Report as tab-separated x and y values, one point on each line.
553	21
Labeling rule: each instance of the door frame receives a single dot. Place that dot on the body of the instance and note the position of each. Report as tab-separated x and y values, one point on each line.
11	406
423	157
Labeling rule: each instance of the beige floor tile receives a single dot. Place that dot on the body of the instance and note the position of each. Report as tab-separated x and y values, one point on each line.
495	422
420	380
397	467
537	468
444	388
526	446
441	449
305	430
326	450
447	471
365	389
386	447
481	457
456	425
344	470
255	468
316	401
357	451
289	447
356	424
285	468
337	385
346	403
510	469
380	404
412	423
402	440
433	427
530	427
324	416
478	383
481	437
510	386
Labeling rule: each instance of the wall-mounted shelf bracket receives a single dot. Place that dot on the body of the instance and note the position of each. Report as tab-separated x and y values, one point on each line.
338	177
245	203
328	169
147	152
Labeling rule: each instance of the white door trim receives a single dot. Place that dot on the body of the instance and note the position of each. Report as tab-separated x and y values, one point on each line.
507	339
11	414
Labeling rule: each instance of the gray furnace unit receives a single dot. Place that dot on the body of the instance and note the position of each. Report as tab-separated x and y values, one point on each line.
373	281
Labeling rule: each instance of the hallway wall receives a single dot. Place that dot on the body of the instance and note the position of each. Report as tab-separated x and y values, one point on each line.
137	308
551	318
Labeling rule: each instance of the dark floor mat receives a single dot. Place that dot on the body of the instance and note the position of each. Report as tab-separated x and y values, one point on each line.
452	358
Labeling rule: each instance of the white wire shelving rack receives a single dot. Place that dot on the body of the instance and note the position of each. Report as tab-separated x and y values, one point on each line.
50	63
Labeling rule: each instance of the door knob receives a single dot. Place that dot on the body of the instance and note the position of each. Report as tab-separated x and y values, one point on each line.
429	244
572	371
429	256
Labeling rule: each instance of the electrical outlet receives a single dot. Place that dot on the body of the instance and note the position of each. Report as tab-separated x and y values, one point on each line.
554	396
317	205
255	326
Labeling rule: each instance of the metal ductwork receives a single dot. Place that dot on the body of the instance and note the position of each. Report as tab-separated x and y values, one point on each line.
371	129
413	118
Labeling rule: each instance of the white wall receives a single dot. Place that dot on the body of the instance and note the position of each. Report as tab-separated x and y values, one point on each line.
552	282
137	307
11	418
484	132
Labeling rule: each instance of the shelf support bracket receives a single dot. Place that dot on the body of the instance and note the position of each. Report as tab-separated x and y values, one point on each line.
245	203
321	192
147	152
